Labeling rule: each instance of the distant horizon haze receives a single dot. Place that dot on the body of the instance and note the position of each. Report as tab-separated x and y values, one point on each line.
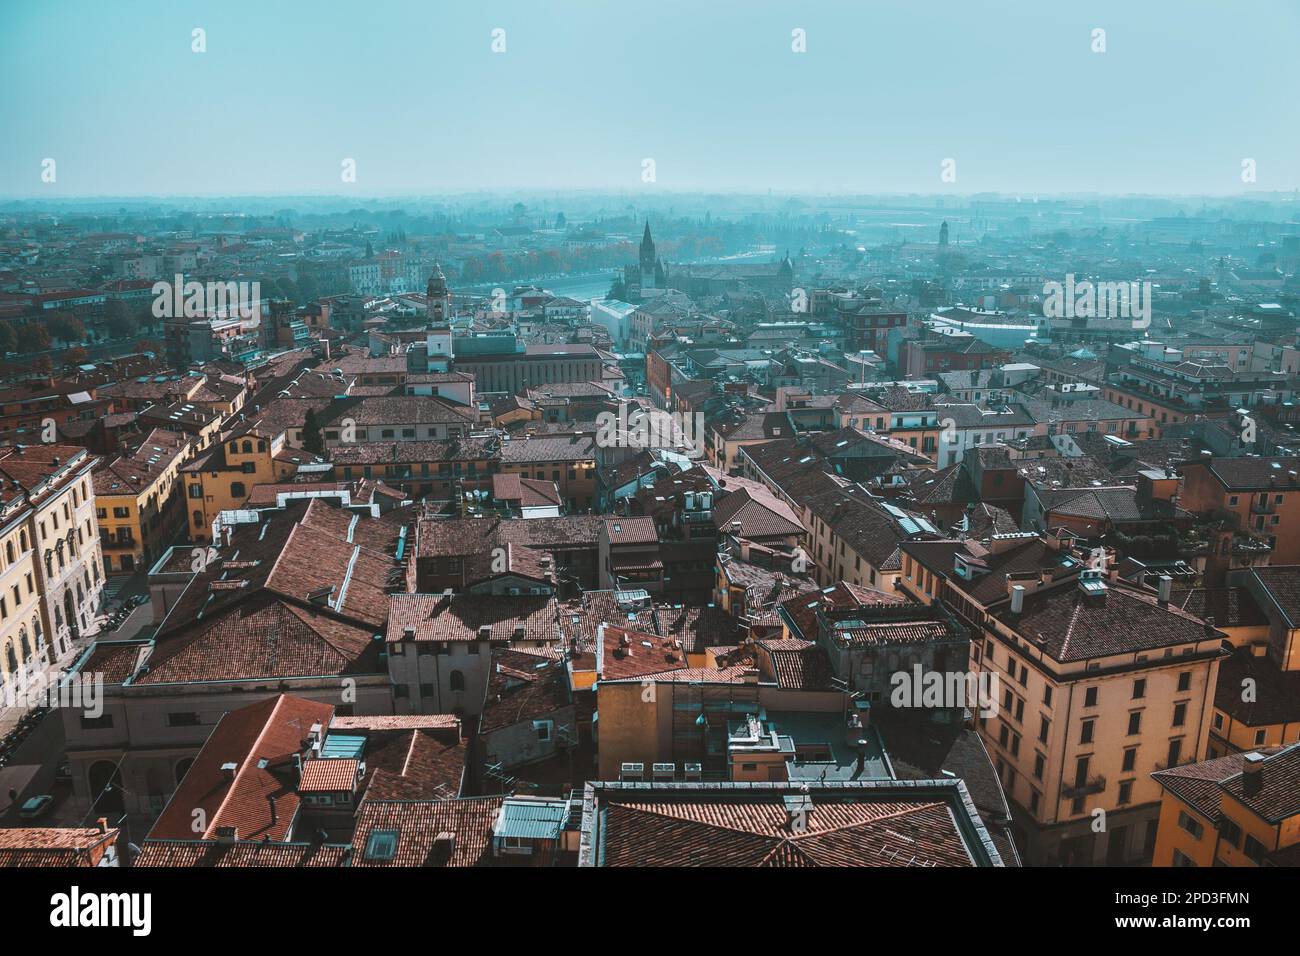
735	97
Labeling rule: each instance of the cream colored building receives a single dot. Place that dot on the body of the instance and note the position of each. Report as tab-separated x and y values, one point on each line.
51	575
1099	684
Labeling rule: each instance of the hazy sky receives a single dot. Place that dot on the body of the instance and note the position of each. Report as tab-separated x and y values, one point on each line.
588	89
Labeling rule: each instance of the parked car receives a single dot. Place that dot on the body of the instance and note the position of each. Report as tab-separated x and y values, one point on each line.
36	807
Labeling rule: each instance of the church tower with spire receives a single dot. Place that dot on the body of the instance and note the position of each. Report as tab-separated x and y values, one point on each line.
649	261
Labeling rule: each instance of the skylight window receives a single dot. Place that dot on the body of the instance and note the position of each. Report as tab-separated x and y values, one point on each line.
382	845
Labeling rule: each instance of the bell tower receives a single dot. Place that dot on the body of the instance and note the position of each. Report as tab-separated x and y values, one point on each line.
437	335
437	308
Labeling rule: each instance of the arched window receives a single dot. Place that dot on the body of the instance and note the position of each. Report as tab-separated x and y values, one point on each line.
105	779
237	489
248	447
11	662
457	680
234	446
9	551
22	539
26	644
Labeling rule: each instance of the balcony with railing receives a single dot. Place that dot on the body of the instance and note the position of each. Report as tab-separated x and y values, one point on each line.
1091	785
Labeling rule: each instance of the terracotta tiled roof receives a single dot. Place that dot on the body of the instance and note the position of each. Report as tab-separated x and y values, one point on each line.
311	569
523	686
1070	626
801	611
867	525
1249	474
415	763
1031	556
542	450
258	797
417	825
54	846
1229	607
460	617
396	722
1282	584
116	660
274	639
374	411
631	530
862	630
1277	692
132	474
1278	796
865	823
697	627
797	664
328	775
529	492
632	653
179	853
1198	784
760	515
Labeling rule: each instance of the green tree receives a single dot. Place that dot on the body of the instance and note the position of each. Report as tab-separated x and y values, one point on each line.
312	438
119	321
308	290
66	327
34	337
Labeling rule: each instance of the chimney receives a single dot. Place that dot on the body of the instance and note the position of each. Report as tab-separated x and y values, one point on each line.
229	769
444	845
1166	588
1017	599
102	824
853	730
862	755
798	810
227	834
1252	774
